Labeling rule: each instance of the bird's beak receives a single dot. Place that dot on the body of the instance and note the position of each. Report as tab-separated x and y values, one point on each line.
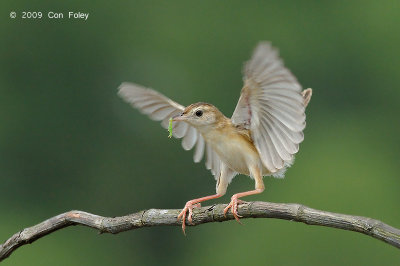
179	117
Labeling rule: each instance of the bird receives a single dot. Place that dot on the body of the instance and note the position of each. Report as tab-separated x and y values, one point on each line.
260	139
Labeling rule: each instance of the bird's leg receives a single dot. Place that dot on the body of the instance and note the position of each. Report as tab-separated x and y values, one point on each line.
233	205
225	176
189	207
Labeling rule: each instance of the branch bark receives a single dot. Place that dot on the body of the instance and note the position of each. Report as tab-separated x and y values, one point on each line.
156	217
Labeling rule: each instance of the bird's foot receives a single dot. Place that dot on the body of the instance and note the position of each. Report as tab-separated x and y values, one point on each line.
188	207
233	205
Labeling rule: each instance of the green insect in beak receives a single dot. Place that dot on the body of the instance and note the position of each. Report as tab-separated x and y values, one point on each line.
170	128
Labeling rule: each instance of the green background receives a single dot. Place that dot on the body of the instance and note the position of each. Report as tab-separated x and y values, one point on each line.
67	141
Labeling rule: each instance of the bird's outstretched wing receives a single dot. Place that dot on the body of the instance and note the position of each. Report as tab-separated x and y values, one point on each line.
160	108
272	107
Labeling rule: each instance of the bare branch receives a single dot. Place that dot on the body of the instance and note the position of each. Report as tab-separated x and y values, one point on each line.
156	217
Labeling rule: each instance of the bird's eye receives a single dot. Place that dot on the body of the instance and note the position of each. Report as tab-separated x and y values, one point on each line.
199	113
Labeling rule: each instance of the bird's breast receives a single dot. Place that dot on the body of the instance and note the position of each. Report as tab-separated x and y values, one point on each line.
234	148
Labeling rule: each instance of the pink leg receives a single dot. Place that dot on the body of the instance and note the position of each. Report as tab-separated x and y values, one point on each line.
189	207
235	201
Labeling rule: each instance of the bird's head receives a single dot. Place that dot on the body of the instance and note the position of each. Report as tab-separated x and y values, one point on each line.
200	115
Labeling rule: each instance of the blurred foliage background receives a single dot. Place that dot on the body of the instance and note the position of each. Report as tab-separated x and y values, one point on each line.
67	141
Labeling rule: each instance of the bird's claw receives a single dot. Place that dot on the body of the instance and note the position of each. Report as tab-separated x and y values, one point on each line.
233	205
182	215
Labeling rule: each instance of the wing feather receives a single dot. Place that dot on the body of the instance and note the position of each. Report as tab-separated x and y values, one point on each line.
179	129
277	140
283	139
190	139
213	163
295	137
273	150
199	151
272	107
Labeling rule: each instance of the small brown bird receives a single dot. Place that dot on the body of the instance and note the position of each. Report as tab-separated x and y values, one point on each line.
260	138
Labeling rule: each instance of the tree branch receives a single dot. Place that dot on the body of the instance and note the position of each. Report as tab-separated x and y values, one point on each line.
155	217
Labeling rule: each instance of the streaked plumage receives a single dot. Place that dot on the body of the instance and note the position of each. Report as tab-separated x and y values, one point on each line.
262	136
